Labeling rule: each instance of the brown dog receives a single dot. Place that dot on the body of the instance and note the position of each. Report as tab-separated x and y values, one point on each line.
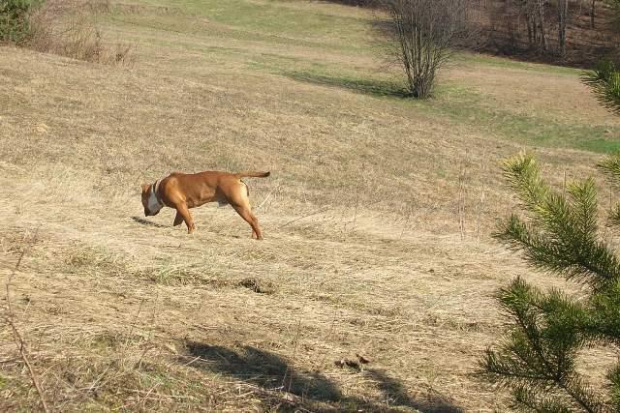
184	191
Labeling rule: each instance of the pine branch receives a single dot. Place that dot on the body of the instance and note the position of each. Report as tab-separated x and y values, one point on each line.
614	378
500	368
540	355
528	342
603	319
526	400
585	206
611	168
604	81
583	395
564	254
580	396
614	215
520	236
523	174
565	240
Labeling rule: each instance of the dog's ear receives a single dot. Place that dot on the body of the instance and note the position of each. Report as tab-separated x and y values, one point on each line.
145	187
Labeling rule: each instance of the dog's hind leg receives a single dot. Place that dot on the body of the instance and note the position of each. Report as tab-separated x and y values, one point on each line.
237	197
178	219
183	211
246	213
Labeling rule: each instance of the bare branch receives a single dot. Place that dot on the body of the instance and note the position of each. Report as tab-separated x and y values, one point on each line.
9	319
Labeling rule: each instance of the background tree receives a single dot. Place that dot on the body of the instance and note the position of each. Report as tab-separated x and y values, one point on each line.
425	33
562	7
535	22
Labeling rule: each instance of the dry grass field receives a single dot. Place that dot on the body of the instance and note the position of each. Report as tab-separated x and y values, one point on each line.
365	251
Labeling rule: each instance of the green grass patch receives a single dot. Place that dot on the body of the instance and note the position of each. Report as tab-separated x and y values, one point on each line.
269	20
463	105
205	30
478	59
466	106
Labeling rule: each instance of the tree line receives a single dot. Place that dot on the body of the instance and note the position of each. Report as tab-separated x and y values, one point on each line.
562	31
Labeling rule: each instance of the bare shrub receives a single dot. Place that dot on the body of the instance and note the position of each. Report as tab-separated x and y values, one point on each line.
55	28
424	33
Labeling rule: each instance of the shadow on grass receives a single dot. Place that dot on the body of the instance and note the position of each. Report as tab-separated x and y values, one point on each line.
275	377
147	222
397	394
264	369
370	87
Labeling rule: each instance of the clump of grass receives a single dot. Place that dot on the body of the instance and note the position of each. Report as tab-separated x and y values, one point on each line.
93	261
257	286
173	275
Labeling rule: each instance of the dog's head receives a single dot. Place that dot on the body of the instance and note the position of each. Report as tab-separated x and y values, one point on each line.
149	201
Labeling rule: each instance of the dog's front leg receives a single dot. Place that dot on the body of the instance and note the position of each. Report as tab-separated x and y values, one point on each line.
186	216
178	219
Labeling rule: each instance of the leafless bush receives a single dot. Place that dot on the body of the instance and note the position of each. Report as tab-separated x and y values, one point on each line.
58	29
424	33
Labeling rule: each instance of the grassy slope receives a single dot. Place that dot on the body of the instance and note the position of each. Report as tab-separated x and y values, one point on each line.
363	252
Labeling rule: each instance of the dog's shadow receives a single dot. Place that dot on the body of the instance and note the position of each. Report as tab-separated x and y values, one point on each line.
148	223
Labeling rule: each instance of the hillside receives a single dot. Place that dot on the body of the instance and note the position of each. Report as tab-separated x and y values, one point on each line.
365	249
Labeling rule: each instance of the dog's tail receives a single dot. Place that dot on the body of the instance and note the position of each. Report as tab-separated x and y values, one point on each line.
253	174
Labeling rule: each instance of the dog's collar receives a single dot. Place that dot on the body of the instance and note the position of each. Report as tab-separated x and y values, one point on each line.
155	191
155	203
